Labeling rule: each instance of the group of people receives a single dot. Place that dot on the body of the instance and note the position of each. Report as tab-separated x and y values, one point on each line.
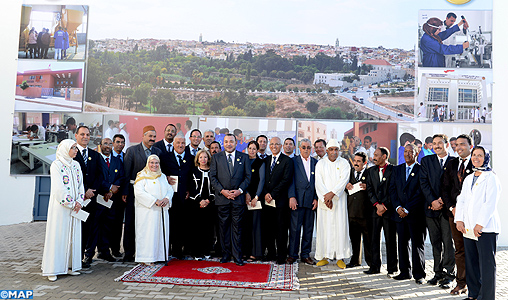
38	43
182	200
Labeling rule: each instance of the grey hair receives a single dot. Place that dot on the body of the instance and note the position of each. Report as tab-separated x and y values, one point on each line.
306	141
180	136
209	130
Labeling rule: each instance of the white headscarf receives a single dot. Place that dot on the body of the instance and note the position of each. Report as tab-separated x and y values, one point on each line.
62	152
146	173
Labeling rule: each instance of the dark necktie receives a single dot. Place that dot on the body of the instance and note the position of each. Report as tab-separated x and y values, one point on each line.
262	155
230	164
180	160
407	172
85	157
357	176
107	161
121	156
460	174
274	159
441	162
194	151
169	148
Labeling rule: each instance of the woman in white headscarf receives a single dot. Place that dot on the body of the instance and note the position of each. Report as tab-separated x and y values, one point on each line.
62	246
153	196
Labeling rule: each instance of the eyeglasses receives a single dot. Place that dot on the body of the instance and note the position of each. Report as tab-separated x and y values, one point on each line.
306	147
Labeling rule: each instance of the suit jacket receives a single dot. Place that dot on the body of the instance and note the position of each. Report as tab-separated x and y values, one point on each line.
114	174
358	204
451	184
134	161
170	167
188	149
407	193
378	189
301	188
431	176
160	145
92	171
278	181
221	179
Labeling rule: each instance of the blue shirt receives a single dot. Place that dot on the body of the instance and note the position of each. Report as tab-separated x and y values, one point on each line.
434	52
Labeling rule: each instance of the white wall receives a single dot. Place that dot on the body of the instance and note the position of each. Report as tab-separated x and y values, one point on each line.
17	193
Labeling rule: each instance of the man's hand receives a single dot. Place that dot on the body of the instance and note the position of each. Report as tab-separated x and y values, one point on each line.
77	207
171	181
314	204
204	203
329	203
108	196
268	198
247	198
225	193
477	230
124	198
89	194
453	211
363	186
233	194
401	212
460	227
292	203
349	186
115	188
465	45
329	196
381	209
437	204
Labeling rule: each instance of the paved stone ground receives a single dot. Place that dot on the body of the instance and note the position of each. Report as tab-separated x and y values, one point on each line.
21	253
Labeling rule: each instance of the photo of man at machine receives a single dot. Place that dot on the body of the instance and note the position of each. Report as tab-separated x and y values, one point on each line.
458	39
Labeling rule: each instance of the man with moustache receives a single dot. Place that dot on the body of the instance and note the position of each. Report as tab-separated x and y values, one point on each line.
195	139
113	174
263	143
134	162
289	147
166	144
453	145
208	138
320	148
408	202
431	174
359	212
332	176
89	161
378	183
230	176
303	203
215	148
278	178
118	208
456	170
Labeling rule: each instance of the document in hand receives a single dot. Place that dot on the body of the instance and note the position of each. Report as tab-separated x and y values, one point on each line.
81	215
174	186
470	234
101	201
257	206
356	188
272	203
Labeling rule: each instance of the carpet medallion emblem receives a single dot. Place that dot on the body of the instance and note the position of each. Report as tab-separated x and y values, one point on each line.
214	270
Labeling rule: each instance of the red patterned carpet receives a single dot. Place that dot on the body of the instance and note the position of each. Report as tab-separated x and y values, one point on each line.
257	275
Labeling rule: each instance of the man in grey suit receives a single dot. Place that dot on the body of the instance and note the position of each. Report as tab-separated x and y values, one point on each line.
303	203
135	161
230	176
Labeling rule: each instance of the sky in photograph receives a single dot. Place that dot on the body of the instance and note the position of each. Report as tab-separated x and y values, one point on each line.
30	65
390	23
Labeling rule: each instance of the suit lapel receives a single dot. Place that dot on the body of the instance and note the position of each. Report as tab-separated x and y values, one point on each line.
236	163
299	163
410	177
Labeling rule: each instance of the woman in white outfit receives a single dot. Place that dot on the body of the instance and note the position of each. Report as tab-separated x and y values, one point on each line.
153	196
62	246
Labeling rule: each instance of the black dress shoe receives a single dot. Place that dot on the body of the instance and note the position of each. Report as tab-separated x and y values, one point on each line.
239	263
128	258
87	261
309	261
371	271
117	254
420	281
435	280
281	261
352	265
290	260
402	276
224	260
445	283
107	257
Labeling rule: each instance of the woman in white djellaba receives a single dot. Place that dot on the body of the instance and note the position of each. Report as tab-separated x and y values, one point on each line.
62	246
153	197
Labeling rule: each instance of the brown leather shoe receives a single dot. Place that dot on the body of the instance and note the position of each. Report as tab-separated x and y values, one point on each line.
290	260
308	261
459	289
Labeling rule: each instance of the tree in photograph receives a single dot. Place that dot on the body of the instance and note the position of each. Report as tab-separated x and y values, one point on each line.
233	111
109	94
135	81
330	113
259	108
24	85
95	80
331	90
312	106
141	93
163	101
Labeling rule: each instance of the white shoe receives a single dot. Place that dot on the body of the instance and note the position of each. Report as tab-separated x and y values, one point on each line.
52	278
70	272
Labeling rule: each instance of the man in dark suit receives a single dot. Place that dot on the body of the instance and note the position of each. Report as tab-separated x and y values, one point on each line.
378	183
278	178
195	139
230	176
118	208
456	170
431	174
359	212
166	144
407	199
135	161
90	163
303	203
177	165
114	179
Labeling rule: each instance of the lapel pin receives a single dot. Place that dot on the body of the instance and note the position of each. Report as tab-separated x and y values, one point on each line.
277	162
384	179
116	171
237	159
412	174
312	173
89	158
184	161
252	170
363	178
467	171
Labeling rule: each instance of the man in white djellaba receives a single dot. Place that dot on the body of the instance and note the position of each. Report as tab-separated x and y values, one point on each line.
153	196
332	175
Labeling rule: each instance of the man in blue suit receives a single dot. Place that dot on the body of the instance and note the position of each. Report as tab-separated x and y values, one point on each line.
230	176
407	199
303	203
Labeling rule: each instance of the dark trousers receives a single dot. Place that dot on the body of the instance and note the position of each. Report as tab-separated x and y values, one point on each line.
251	234
275	231
481	266
302	221
230	219
390	233
460	254
414	231
116	216
359	227
200	228
44	52
442	246
129	232
98	230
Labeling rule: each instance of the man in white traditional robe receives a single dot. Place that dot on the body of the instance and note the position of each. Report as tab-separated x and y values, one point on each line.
332	175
